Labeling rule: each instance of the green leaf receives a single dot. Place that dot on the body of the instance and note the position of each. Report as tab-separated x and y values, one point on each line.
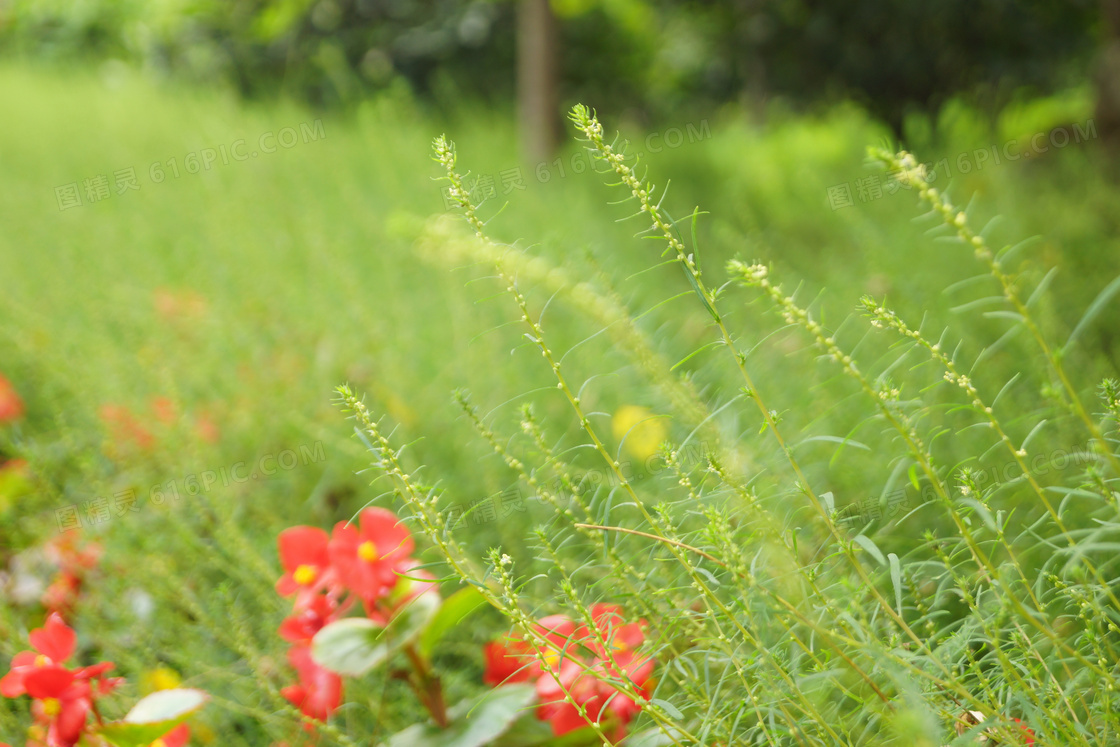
653	738
475	722
865	542
350	647
452	612
1094	309
896	580
153	717
913	472
355	645
669	708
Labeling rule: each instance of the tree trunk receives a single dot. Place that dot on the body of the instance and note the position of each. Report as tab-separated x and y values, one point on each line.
536	80
1107	114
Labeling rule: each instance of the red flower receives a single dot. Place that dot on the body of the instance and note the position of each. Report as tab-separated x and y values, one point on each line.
164	409
11	406
1028	733
367	560
568	682
319	691
61	701
54	642
569	678
587	687
206	429
411	584
62	697
622	638
74	563
177	737
302	626
512	661
65	552
125	428
307	564
60	597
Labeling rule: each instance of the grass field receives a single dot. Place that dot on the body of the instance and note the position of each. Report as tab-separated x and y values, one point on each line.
161	335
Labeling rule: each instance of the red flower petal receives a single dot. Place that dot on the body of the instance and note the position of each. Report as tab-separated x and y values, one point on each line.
11	686
11	406
319	692
68	726
386	531
177	737
50	681
54	640
303	546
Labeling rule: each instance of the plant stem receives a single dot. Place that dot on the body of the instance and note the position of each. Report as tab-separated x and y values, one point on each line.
428	686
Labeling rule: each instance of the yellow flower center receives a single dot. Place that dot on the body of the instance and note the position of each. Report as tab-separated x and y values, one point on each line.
619	645
367	551
51	707
160	679
159	743
305	575
41	660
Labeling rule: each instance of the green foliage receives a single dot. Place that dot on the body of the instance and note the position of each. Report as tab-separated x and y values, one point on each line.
474	723
797	624
318	265
660	57
153	717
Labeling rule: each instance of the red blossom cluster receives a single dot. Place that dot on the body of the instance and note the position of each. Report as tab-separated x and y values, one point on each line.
1028	732
580	662
11	406
62	699
74	562
128	431
327	575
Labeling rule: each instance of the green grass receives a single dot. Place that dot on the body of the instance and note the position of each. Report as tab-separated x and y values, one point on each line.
303	264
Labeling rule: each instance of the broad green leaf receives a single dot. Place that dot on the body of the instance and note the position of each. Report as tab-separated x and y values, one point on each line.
355	645
153	717
411	621
530	731
351	647
474	723
452	612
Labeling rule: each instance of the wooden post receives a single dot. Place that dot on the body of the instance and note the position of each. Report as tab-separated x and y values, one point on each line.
537	80
1107	114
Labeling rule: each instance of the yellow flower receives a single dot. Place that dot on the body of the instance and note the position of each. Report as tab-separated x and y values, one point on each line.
159	679
642	431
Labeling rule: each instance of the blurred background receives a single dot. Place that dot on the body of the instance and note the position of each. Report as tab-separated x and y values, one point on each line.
210	211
